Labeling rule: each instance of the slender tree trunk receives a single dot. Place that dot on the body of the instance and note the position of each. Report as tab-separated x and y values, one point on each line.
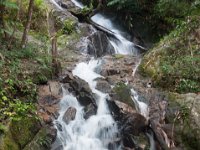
56	66
2	22
28	23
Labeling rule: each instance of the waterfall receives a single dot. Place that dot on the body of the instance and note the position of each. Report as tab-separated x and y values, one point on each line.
120	42
100	130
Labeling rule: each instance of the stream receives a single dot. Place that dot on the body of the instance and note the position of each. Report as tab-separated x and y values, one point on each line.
100	131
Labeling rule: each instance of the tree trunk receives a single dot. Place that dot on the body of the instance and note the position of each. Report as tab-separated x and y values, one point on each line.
28	23
2	22
56	66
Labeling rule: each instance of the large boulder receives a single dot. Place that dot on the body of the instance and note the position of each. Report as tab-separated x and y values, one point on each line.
80	89
103	86
133	127
121	92
99	45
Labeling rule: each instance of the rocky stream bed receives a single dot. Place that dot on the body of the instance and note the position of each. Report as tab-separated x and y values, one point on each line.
135	116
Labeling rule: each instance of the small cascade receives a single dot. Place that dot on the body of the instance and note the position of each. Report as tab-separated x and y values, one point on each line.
120	42
141	107
77	3
56	4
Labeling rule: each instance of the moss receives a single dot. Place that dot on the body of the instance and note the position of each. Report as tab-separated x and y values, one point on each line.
41	141
123	93
174	62
24	130
7	142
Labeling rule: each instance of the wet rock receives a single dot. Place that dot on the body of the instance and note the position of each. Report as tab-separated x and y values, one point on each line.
89	111
103	86
125	109
81	90
67	4
59	126
99	44
121	92
134	124
69	115
115	110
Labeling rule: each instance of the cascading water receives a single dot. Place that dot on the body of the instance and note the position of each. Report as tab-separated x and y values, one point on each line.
100	130
120	43
78	4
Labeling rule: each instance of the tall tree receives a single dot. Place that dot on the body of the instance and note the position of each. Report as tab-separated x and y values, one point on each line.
28	23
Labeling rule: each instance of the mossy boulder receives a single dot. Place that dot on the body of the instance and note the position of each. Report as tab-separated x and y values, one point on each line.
7	142
24	130
174	62
122	93
43	139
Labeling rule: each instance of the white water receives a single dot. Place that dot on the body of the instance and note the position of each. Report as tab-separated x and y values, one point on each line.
56	4
78	4
99	130
140	106
96	132
120	43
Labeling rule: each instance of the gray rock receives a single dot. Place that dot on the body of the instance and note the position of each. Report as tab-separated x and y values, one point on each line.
134	124
103	86
69	115
89	111
81	90
99	44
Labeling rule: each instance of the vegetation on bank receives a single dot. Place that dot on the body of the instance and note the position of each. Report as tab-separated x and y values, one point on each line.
174	62
22	68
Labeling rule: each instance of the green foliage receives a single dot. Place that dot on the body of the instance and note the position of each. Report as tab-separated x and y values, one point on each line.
69	26
129	5
44	141
2	128
173	63
123	93
172	8
18	77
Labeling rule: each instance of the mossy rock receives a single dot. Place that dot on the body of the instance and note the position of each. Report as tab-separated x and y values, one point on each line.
123	93
43	140
24	130
7	142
